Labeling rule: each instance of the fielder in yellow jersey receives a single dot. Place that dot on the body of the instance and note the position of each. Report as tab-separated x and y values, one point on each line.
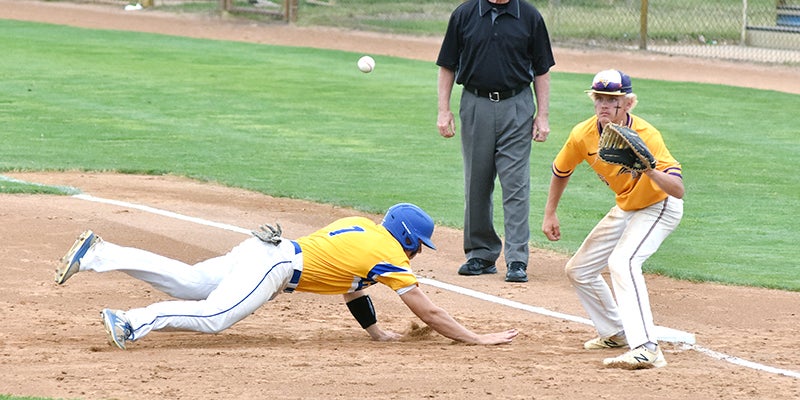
633	191
343	258
648	208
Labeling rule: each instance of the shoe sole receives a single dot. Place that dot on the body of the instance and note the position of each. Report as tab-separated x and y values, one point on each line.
659	362
629	366
69	267
519	279
108	323
483	271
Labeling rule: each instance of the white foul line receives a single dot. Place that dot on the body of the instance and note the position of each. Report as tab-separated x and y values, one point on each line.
169	214
741	362
687	339
505	302
662	333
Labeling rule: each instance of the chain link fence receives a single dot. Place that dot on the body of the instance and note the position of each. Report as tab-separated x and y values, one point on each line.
766	31
753	30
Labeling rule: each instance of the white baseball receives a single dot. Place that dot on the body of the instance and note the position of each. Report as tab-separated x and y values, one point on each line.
366	64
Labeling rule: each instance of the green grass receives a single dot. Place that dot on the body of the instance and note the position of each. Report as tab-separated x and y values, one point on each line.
14	186
306	124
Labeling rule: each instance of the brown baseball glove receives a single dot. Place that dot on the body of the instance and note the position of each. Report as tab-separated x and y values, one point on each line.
621	145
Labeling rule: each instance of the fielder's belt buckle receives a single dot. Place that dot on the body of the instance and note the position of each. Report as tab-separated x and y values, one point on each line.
494	96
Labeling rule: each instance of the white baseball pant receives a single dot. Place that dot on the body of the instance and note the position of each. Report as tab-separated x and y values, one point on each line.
622	240
216	293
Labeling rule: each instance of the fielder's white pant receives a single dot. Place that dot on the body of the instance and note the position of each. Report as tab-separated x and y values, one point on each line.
622	240
217	292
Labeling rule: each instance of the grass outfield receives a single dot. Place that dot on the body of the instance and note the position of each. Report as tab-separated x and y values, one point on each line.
305	123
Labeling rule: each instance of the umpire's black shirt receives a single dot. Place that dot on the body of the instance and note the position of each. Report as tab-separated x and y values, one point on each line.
496	47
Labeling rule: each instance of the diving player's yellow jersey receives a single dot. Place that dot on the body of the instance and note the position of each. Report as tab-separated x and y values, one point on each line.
351	254
634	190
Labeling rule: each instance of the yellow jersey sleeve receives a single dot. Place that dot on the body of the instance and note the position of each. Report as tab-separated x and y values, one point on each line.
633	190
351	254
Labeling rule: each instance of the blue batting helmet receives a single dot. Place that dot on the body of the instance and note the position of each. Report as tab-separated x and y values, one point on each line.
409	225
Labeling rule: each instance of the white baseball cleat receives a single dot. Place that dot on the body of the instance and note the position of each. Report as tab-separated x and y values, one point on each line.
71	262
118	328
638	358
610	342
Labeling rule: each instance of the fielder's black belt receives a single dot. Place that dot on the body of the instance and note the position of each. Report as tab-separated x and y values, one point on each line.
496	95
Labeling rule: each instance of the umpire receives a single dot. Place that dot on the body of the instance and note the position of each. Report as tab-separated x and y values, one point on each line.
495	49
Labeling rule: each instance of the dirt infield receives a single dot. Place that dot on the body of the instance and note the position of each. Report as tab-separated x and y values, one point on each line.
308	346
303	346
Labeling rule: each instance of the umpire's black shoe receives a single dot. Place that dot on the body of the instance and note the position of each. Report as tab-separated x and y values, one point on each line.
477	266
516	272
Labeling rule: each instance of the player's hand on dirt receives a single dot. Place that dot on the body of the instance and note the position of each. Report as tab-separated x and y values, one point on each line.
380	335
498	337
551	227
446	124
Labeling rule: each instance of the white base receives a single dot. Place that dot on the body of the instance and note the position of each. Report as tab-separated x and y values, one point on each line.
664	334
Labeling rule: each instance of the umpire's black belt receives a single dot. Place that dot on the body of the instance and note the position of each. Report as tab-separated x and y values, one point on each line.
496	95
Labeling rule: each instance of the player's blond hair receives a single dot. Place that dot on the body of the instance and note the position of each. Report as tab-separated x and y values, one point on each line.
630	96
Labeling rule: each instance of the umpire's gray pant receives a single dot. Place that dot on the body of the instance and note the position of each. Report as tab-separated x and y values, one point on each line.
496	142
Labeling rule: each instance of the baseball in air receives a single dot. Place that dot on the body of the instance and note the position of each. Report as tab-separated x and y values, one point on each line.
366	64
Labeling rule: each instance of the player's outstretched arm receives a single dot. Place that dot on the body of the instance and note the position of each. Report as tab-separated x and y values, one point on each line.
441	321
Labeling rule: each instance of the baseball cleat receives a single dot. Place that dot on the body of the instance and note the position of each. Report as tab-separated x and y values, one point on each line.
71	262
477	266
638	358
610	342
118	328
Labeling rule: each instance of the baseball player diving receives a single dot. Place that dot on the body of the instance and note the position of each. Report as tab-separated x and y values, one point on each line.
648	208
344	258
